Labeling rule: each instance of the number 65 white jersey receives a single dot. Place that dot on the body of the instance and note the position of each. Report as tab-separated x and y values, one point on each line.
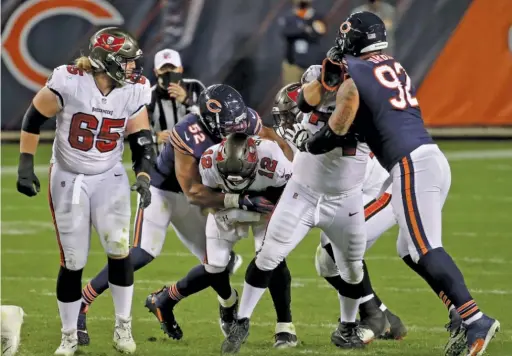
273	170
90	126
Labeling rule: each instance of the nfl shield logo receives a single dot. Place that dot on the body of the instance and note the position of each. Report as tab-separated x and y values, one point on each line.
104	100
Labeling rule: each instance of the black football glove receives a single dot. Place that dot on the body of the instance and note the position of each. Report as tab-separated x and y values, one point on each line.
332	74
258	204
141	186
27	183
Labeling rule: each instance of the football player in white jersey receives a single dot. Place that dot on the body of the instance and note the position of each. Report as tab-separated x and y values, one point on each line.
325	191
379	215
97	102
248	165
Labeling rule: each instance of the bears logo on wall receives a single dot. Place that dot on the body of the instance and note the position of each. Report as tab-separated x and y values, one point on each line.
15	54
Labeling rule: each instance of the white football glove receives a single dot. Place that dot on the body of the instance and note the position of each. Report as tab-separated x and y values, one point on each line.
297	136
280	132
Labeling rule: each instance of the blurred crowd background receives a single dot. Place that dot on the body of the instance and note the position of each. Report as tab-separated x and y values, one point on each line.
458	52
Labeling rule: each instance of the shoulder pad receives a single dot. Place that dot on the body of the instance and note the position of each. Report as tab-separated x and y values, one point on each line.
311	74
188	137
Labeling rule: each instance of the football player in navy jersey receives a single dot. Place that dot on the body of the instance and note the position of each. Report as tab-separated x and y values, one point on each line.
222	111
175	184
378	101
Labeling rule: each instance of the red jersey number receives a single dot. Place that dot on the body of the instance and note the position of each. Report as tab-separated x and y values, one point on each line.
81	135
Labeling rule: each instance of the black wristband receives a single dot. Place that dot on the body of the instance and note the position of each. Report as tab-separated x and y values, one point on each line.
323	141
303	105
143	154
33	120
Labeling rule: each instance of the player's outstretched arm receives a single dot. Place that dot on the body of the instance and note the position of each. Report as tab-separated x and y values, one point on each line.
347	103
143	155
331	135
310	96
270	134
44	106
187	173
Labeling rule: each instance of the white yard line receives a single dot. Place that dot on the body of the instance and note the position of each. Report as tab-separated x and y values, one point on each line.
296	283
451	155
499	261
327	325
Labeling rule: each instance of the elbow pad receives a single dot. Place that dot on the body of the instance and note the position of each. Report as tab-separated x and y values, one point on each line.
303	105
33	120
323	141
143	154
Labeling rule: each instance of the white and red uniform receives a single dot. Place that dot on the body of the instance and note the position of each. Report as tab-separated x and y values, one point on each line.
88	183
325	191
225	227
378	212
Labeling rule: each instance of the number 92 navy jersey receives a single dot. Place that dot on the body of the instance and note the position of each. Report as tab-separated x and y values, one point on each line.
393	126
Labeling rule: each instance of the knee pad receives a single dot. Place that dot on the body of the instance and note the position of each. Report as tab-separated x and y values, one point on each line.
352	272
214	269
266	260
324	264
117	249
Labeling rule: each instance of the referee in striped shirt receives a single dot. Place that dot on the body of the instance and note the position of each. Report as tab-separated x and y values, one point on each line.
172	97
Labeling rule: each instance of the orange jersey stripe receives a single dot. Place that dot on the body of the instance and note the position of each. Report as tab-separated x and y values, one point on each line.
410	209
52	210
177	142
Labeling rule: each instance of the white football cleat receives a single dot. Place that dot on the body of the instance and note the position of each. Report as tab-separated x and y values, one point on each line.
123	339
68	343
12	319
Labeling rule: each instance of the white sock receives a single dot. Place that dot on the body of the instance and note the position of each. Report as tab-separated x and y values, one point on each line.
473	318
228	303
122	297
69	314
348	308
383	307
367	298
250	298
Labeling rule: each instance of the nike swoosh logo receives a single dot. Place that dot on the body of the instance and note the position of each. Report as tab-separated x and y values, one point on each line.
352	214
118	175
186	137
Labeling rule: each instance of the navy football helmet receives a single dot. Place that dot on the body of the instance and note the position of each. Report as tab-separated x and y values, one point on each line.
222	110
361	33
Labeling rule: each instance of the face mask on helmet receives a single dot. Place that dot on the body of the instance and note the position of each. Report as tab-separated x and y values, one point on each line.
284	118
237	162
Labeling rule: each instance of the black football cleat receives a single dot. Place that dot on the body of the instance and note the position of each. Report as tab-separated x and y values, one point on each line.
81	330
228	316
285	336
456	344
236	337
395	329
372	323
346	336
164	315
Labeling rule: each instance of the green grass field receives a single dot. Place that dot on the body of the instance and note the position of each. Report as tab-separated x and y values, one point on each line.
477	232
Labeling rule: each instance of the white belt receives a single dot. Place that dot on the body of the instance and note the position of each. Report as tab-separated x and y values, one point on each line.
77	187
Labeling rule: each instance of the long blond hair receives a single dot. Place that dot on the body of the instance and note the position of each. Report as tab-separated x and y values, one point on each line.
84	64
